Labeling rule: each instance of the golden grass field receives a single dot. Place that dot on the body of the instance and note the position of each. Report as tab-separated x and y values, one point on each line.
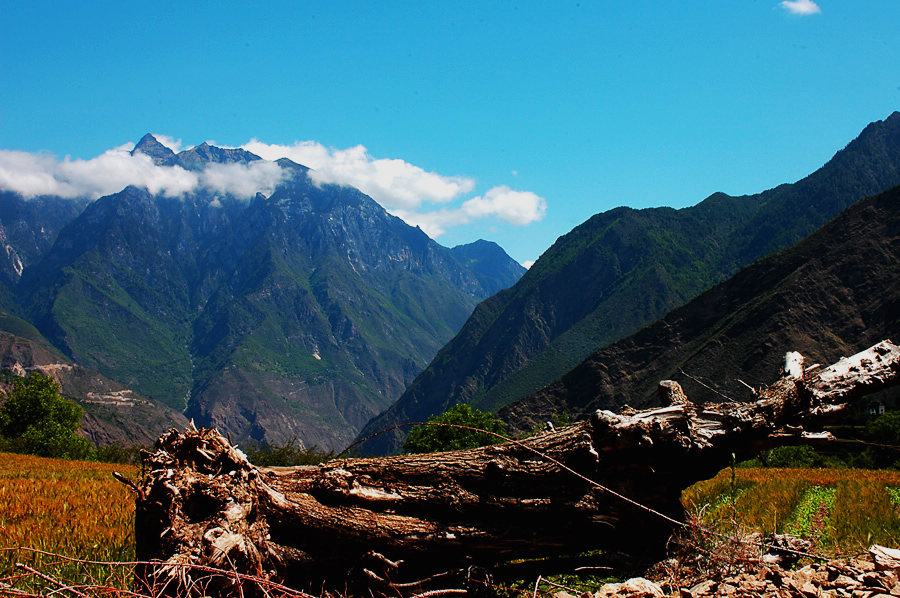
77	509
70	508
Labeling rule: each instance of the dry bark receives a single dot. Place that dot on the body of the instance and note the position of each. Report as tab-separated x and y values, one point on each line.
559	492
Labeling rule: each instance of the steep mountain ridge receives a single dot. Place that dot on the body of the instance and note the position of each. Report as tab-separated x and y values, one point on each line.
489	263
621	270
833	294
28	229
195	158
301	313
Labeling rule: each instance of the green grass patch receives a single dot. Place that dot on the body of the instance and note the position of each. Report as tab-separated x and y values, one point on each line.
843	511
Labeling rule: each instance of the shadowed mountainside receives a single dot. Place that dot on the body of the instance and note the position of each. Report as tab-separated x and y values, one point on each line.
621	270
833	294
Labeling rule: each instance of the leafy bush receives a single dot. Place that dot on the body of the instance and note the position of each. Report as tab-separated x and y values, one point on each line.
35	419
884	430
433	438
286	455
800	456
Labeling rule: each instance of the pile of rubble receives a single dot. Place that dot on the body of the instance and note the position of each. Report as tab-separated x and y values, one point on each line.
856	578
877	576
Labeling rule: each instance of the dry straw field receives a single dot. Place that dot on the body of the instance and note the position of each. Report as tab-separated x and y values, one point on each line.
76	509
68	508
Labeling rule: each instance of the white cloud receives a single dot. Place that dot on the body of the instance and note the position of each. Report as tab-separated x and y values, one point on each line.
115	169
243	180
516	207
111	171
527	264
432	201
801	7
404	189
394	183
30	174
170	142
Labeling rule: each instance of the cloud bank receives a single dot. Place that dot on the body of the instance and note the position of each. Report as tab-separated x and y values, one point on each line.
113	170
393	183
430	200
516	207
405	190
801	7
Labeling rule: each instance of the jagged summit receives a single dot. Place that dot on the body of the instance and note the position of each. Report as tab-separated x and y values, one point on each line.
151	146
197	157
194	158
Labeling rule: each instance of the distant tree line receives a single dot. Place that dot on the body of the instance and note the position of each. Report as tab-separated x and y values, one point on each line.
863	442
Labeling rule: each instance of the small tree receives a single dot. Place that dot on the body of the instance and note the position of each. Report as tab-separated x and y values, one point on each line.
429	439
884	430
37	420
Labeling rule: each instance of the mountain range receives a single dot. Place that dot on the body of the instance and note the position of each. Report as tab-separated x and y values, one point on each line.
833	294
620	271
307	311
301	312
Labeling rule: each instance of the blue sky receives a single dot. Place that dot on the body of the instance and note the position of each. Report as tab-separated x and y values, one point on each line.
515	120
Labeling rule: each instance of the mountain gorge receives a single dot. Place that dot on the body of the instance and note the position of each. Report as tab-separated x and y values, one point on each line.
301	312
621	270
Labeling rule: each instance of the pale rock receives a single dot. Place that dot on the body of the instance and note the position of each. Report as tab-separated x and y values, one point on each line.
637	587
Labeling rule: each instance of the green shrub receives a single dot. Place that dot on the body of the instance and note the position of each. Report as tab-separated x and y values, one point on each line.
445	437
35	419
287	454
113	453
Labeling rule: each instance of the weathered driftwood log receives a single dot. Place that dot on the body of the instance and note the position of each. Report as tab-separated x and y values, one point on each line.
558	492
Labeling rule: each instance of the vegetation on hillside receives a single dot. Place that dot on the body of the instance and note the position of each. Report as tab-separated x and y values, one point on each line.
458	428
287	454
620	271
35	419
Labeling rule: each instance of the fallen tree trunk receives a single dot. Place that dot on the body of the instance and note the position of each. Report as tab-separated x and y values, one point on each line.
613	482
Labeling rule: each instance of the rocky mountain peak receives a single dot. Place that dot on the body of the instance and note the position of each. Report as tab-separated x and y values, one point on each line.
150	146
198	157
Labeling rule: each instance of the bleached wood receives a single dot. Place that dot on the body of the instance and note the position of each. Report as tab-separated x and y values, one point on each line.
793	365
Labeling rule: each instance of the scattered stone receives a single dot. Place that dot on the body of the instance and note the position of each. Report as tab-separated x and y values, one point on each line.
637	587
858	578
885	558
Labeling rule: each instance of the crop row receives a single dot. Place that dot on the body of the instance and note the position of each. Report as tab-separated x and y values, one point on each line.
843	511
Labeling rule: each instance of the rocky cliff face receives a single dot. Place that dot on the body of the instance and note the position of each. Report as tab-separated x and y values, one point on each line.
28	229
